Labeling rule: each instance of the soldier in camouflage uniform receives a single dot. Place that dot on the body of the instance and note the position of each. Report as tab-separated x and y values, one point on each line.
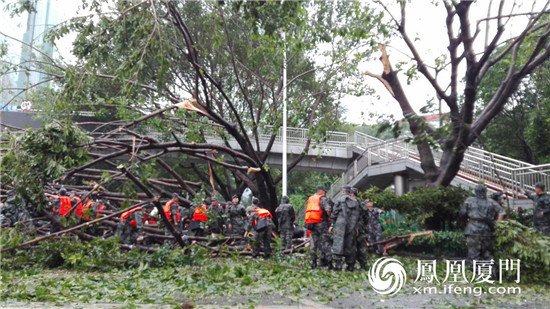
541	213
260	222
344	223
172	212
236	217
129	233
374	226
481	213
320	236
215	216
362	234
286	216
13	211
58	210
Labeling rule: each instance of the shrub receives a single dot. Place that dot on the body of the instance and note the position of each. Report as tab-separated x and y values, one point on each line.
442	244
433	208
516	241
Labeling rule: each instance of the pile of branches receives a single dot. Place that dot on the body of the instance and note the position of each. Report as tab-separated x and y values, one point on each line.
40	228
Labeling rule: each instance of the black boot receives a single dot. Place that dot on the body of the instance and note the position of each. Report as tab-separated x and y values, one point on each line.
329	265
323	263
364	267
338	266
313	264
351	267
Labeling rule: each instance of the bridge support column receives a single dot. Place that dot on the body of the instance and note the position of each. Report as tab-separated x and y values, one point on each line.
400	184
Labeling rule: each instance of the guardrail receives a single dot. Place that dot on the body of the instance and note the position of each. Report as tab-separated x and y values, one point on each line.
503	173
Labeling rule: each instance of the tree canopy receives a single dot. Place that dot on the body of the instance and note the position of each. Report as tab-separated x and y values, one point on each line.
191	70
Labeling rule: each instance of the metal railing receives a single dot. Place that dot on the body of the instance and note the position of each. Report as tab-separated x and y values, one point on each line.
500	172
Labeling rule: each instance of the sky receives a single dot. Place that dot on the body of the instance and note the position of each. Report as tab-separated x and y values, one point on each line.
425	24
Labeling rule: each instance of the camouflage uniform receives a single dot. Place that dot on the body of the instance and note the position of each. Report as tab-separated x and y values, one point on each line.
261	238
286	216
320	237
237	219
12	212
174	210
344	217
375	229
362	237
541	213
481	213
128	233
181	224
215	219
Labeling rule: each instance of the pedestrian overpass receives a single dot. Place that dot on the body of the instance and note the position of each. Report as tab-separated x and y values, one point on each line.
363	161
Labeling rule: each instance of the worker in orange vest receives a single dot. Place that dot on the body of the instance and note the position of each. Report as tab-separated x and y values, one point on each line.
260	220
84	210
172	211
173	214
63	203
199	216
61	206
99	207
77	200
317	221
132	222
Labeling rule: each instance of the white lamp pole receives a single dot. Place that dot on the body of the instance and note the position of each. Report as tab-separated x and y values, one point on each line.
284	165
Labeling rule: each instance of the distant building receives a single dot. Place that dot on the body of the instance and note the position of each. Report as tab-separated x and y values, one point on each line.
434	119
44	17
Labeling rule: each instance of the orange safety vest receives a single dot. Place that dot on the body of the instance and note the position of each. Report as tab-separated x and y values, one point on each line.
126	214
200	214
167	211
262	213
314	213
65	205
100	208
79	212
76	198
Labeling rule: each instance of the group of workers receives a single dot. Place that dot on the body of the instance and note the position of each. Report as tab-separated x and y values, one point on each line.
65	205
340	231
481	213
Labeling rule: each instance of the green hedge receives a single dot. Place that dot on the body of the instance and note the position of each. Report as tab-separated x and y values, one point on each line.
448	244
433	208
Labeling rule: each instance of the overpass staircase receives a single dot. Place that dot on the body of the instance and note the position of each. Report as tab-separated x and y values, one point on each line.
499	173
